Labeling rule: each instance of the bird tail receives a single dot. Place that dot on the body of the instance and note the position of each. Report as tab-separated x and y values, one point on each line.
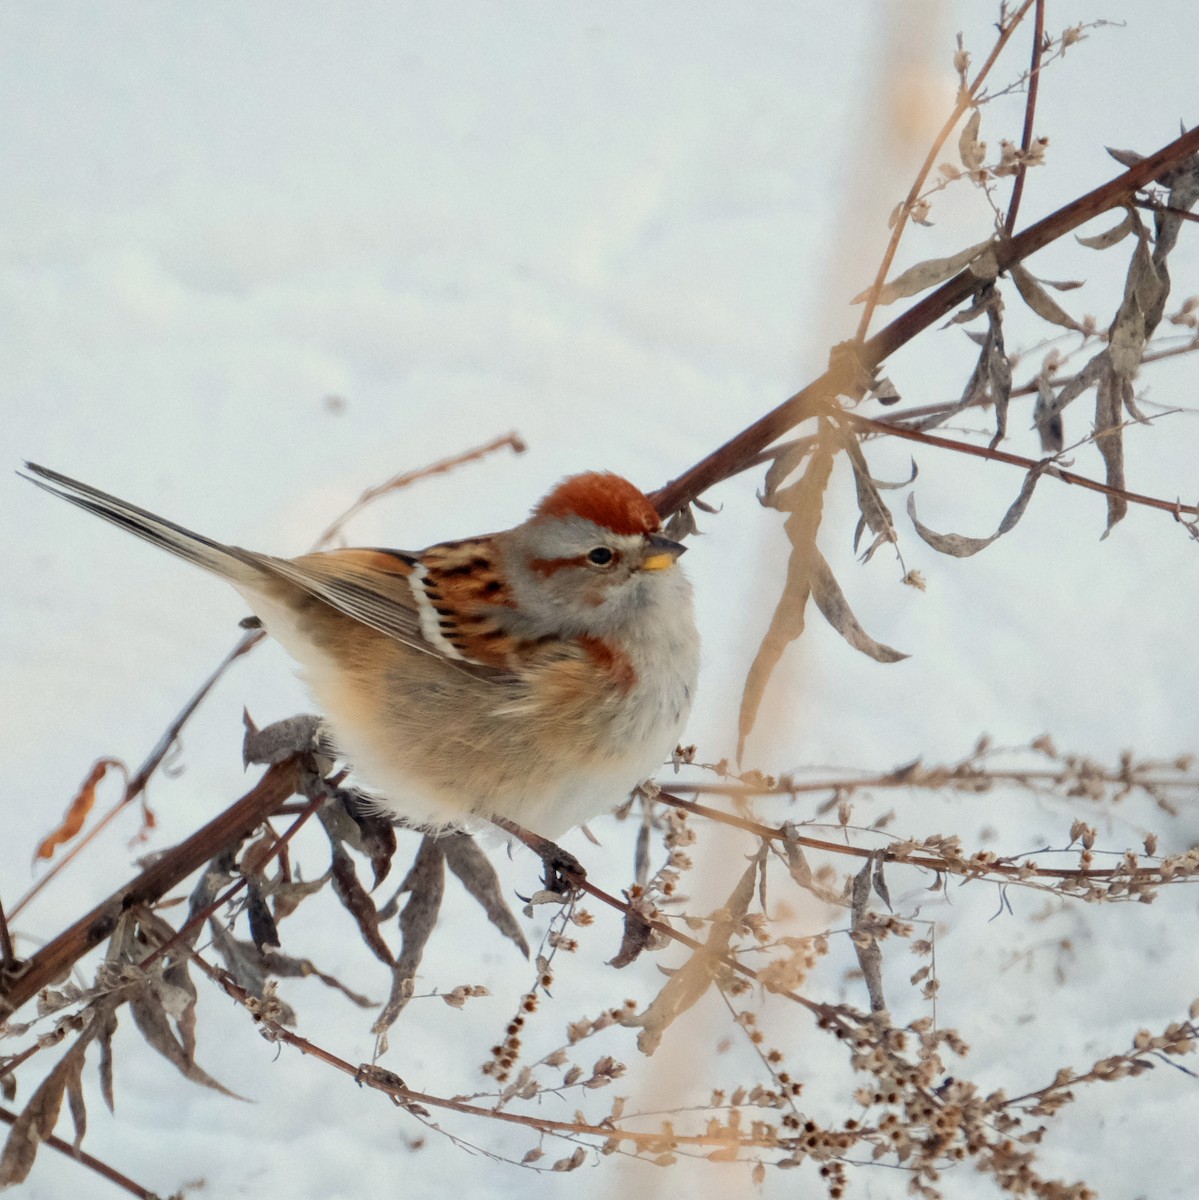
237	565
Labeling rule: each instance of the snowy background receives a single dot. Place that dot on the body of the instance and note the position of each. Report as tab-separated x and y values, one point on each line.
255	258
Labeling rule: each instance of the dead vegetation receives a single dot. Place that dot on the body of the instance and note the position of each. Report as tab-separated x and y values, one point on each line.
903	1096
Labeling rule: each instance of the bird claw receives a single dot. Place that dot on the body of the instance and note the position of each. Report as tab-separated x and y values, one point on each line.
562	872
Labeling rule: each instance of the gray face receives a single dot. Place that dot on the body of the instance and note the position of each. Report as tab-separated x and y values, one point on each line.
574	577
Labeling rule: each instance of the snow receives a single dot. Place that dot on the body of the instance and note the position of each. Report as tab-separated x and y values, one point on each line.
624	231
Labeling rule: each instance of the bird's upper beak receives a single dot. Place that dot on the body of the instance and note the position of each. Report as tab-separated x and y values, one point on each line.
660	552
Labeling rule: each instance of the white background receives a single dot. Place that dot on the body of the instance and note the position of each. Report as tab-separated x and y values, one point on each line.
624	231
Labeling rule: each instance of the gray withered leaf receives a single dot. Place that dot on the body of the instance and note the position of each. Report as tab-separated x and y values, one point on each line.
285	966
695	976
150	1017
787	458
476	874
106	1016
357	902
37	1119
171	980
865	944
1109	438
876	516
925	274
1047	417
1117	233
836	611
991	380
971	151
1033	293
805	501
251	968
880	881
1048	409
958	545
263	930
1139	311
1183	181
425	883
1126	158
636	935
801	872
888	485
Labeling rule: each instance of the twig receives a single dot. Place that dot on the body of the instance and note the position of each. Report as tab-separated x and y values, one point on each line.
236	822
1030	109
732	457
1018	460
965	99
88	1160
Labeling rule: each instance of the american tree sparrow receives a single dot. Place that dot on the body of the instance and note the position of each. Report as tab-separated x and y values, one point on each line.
532	676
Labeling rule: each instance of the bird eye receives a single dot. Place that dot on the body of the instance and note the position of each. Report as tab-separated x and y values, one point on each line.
601	556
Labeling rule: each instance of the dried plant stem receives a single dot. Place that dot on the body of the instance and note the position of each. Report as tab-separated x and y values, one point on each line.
1030	110
88	1160
1018	460
508	441
8	956
965	100
55	958
391	1084
735	455
137	785
1006	872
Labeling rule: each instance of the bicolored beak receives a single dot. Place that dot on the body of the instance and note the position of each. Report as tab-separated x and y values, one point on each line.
661	553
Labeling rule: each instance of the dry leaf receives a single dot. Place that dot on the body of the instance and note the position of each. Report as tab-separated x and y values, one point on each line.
426	883
79	807
695	976
959	546
1101	241
805	503
927	274
36	1121
1109	438
376	834
971	151
150	1016
865	944
475	872
358	903
836	611
1039	300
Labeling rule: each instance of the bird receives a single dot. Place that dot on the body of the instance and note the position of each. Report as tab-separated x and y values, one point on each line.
529	678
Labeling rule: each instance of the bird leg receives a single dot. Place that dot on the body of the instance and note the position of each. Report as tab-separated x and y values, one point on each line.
562	869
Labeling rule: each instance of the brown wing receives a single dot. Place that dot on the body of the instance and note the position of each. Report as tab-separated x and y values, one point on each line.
369	585
442	602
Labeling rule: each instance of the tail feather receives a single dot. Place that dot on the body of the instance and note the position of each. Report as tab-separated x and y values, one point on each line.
231	562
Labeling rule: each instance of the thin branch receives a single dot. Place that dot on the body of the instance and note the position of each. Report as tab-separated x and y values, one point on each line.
88	1160
732	457
8	956
966	868
965	100
1018	460
235	823
1030	110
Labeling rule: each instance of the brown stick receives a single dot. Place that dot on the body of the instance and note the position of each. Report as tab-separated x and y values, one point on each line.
57	957
1030	112
88	1160
735	454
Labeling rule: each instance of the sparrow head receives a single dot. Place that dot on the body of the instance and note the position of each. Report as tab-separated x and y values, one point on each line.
591	557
